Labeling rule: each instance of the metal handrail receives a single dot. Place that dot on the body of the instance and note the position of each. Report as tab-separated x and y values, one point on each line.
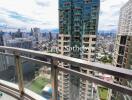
13	90
108	69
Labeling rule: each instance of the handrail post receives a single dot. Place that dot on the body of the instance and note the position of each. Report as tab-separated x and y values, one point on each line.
19	74
54	79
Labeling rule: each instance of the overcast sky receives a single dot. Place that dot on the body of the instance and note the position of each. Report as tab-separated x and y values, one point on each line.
44	14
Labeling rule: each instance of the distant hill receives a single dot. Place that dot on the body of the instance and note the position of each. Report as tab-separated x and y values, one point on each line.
52	30
108	32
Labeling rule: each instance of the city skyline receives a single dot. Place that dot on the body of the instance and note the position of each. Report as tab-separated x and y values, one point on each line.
66	49
44	14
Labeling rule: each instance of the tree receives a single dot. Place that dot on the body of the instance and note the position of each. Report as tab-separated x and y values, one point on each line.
107	59
104	59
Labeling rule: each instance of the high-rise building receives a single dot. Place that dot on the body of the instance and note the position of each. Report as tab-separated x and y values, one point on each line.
3	62
123	47
1	38
78	24
50	36
37	34
19	43
17	34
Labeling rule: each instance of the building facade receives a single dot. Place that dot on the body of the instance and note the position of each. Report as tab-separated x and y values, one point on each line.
78	24
3	61
123	47
36	34
17	34
19	43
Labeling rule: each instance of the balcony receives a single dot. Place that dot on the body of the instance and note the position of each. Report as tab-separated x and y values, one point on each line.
19	91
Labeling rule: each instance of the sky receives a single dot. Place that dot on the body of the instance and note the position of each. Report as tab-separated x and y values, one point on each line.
25	14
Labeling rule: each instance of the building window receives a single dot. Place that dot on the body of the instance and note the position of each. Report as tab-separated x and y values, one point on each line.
87	1
86	39
86	45
85	56
93	39
59	38
66	38
92	56
121	50
93	45
118	65
66	43
92	51
120	60
123	40
84	71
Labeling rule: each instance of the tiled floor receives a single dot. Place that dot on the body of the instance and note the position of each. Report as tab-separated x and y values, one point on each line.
6	97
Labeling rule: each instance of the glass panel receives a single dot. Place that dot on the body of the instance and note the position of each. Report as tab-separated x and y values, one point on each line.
8	69
72	87
37	78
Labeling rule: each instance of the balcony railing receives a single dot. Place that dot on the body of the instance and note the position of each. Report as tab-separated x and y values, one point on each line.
21	92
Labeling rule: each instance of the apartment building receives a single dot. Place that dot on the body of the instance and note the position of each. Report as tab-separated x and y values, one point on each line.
123	47
78	24
19	43
3	62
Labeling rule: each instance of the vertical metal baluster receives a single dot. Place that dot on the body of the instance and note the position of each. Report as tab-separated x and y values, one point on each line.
54	79
19	74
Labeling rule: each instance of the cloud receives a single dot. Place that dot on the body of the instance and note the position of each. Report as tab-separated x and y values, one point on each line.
43	4
109	14
29	13
44	13
18	16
